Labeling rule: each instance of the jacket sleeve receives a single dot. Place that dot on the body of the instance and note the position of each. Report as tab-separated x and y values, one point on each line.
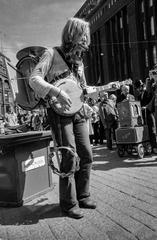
37	79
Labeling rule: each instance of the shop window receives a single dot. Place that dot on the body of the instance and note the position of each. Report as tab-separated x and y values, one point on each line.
152	26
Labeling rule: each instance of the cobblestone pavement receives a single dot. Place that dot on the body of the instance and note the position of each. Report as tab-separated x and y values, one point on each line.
126	193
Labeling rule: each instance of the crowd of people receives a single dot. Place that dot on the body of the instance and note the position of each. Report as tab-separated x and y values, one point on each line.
101	114
104	116
35	120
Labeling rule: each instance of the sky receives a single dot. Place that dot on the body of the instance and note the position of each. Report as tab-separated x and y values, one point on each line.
25	23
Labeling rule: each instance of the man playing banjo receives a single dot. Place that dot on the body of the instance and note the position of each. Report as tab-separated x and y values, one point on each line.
70	130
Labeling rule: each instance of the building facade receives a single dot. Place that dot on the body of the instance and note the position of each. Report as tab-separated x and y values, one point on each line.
123	39
6	93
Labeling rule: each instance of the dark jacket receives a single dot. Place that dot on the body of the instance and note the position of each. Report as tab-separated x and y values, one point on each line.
110	113
145	98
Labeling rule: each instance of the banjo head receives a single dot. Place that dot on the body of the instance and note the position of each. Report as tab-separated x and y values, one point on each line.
72	88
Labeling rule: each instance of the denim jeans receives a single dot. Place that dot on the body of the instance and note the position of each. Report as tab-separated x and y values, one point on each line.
72	132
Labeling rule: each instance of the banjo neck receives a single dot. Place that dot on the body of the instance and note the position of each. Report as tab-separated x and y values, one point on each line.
93	91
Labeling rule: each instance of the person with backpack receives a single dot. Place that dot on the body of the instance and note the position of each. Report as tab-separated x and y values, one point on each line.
70	131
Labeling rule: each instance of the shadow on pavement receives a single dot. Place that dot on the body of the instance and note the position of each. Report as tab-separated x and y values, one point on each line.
108	159
29	214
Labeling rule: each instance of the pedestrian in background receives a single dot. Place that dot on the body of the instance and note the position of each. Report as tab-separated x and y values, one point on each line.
11	118
35	121
95	121
103	97
147	100
88	111
125	94
111	120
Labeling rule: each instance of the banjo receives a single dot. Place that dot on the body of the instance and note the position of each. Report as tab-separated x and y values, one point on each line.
71	86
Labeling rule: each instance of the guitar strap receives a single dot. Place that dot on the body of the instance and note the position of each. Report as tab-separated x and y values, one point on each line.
73	67
63	57
65	73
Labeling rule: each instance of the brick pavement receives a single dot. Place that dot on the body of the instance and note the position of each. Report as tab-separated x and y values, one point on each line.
126	193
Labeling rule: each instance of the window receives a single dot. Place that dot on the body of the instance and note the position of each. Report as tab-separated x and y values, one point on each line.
152	26
121	22
1	85
10	97
142	6
6	96
1	97
150	3
154	55
6	85
144	30
146	58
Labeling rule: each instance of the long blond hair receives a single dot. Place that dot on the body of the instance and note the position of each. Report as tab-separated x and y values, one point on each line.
75	31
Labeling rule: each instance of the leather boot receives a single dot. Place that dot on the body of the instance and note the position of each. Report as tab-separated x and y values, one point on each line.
74	212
